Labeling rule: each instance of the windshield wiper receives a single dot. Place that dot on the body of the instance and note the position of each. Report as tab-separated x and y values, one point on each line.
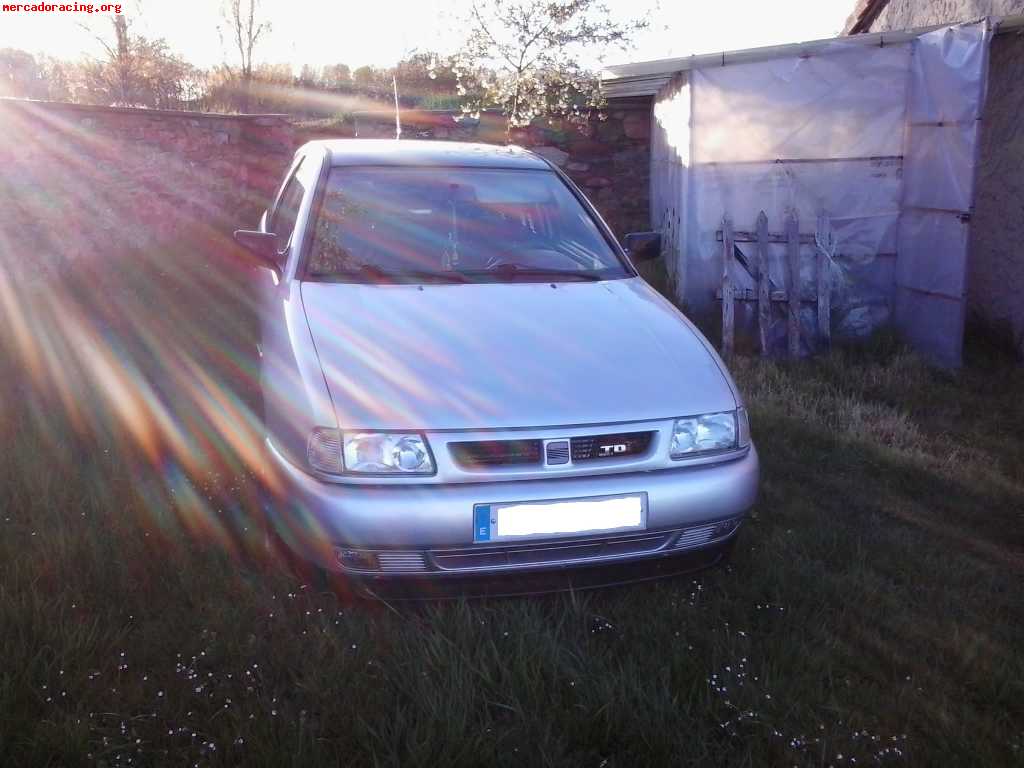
515	270
368	273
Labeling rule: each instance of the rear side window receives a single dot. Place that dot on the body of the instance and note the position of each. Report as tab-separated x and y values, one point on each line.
283	221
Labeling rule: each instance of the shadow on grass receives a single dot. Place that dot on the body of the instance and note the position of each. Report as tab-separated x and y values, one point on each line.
873	608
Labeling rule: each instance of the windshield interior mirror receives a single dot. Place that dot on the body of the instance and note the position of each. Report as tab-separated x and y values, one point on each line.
261	244
642	246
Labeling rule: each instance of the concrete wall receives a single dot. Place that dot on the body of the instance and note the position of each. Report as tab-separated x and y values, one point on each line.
996	261
607	155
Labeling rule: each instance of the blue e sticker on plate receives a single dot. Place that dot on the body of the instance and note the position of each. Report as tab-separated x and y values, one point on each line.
482	522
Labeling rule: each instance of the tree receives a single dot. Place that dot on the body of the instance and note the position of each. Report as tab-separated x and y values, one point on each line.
245	31
309	78
370	79
58	76
533	48
337	77
422	74
21	75
120	57
138	72
194	87
119	64
135	72
160	75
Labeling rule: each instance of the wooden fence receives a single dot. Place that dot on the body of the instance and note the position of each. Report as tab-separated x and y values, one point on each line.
766	294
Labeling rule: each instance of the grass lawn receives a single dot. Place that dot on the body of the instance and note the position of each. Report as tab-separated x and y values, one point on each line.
873	612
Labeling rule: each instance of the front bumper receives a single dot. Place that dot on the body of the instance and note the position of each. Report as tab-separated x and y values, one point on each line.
427	530
534	582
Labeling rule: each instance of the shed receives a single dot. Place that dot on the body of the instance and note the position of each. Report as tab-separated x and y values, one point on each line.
995	277
878	132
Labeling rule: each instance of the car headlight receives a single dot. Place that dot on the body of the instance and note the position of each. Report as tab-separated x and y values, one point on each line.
374	453
708	432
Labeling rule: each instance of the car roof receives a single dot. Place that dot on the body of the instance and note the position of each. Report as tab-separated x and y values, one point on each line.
427	153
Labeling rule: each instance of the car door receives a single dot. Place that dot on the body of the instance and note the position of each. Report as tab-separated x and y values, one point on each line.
287	369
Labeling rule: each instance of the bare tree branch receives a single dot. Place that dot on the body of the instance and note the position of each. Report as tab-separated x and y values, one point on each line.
241	16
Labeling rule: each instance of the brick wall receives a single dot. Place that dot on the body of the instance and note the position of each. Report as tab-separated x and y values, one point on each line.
607	155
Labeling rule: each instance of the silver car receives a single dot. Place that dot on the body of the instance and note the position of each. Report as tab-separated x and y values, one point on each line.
463	375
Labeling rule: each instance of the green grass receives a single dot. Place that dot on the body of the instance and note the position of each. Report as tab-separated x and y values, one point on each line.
872	613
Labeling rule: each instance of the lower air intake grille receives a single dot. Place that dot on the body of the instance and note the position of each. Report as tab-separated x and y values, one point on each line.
548	552
702	534
695	537
401	562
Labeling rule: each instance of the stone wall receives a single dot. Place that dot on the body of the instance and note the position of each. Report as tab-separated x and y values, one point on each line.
995	278
907	14
78	181
607	154
996	260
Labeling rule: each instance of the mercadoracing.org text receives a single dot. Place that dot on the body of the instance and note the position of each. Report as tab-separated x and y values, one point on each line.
61	8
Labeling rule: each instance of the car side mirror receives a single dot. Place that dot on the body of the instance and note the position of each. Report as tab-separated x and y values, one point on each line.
642	246
263	245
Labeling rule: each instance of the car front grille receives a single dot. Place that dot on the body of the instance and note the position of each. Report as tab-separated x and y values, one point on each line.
616	446
503	453
496	453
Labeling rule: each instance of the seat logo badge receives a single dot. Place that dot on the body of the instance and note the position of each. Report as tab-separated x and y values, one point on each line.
612	449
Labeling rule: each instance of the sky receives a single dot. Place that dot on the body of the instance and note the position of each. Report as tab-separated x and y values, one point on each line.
381	32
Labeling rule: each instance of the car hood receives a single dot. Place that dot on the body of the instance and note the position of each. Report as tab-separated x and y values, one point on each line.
506	355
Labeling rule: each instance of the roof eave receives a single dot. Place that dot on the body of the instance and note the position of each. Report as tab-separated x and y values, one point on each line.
647	78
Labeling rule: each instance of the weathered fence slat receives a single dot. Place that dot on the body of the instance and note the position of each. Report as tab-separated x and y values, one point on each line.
776	296
825	248
746	236
793	282
764	301
758	267
728	310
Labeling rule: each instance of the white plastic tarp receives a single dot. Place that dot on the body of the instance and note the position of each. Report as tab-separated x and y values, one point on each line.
840	131
947	91
803	134
670	168
844	101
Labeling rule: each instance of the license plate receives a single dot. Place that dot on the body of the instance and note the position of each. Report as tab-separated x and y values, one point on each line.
559	517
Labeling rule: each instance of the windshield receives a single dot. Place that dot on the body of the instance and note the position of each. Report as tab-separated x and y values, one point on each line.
455	225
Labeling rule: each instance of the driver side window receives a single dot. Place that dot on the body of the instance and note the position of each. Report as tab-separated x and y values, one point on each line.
282	223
